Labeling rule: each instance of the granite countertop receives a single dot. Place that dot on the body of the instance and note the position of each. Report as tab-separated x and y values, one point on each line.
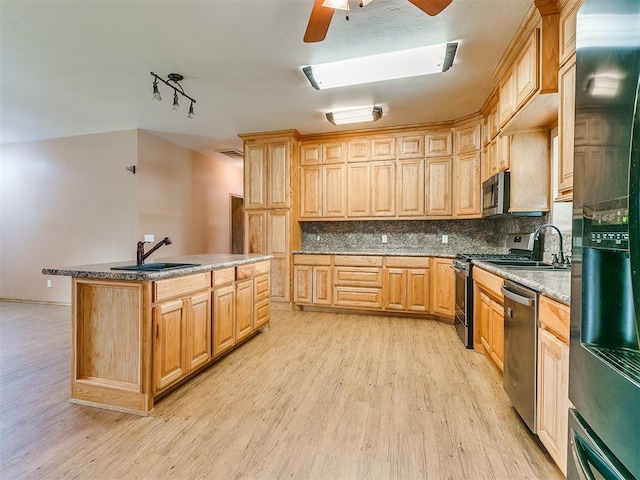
555	284
206	261
383	251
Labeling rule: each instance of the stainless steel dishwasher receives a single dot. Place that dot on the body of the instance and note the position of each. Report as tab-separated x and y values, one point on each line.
520	346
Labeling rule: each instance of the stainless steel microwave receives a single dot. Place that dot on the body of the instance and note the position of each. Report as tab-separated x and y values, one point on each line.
495	195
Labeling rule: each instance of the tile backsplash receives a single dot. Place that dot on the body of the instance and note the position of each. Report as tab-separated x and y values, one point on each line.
464	236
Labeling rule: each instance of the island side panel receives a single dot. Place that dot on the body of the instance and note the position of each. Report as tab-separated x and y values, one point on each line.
110	349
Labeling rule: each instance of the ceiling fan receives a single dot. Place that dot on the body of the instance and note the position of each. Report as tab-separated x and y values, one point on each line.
323	11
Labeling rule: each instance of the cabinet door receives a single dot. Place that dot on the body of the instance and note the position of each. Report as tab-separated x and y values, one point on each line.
359	150
334	152
526	71
383	191
224	329
467	185
278	175
568	30
278	245
395	289
303	284
530	181
410	188
442	288
322	285
502	153
359	190
439	199
244	308
507	99
497	334
566	132
254	167
198	345
553	396
468	138
310	191
485	321
311	154
334	183
418	289
256	234
383	148
439	143
411	146
168	343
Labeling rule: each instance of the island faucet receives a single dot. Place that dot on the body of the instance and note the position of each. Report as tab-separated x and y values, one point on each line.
559	257
141	256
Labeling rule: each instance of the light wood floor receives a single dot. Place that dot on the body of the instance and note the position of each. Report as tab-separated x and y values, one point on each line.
318	396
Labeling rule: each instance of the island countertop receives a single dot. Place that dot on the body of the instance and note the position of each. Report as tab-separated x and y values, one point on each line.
205	262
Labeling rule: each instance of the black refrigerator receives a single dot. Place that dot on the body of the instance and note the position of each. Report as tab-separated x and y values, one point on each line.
604	358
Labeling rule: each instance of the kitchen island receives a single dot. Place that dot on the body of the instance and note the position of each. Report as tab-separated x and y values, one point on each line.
138	334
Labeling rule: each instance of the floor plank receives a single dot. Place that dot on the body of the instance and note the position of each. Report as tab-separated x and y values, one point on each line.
318	396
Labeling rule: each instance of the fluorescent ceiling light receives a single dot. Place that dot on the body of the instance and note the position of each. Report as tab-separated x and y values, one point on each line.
386	66
355	115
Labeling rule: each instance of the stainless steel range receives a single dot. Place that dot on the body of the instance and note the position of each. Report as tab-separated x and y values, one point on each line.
521	247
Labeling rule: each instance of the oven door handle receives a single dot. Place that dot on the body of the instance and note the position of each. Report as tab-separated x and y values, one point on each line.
511	295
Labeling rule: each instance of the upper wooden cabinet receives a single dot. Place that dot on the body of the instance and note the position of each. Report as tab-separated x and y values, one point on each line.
334	152
526	70
439	143
530	168
410	188
411	146
254	173
359	190
466	191
468	138
311	154
359	150
566	130
439	182
383	189
567	29
383	148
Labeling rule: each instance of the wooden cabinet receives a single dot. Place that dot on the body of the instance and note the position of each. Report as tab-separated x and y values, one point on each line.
525	70
442	288
406	285
243	308
568	29
566	130
439	200
355	285
411	146
334	189
198	346
313	280
502	153
311	153
467	186
383	148
254	184
507	99
334	152
169	341
410	188
553	379
267	179
310	192
224	328
439	143
359	150
359	190
468	138
488	307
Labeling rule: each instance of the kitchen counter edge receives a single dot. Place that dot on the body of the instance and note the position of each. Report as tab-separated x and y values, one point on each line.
206	262
380	253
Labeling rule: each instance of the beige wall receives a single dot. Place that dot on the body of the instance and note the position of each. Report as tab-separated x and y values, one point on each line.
70	201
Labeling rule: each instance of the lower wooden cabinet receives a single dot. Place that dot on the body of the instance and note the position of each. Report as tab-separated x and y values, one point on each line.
224	328
379	283
198	345
489	315
244	308
553	379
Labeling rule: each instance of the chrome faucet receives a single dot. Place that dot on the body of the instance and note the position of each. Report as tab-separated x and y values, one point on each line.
141	256
559	257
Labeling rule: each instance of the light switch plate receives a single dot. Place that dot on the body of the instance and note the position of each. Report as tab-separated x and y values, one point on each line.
149	238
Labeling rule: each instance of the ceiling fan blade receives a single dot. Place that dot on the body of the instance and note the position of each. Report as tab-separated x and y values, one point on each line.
318	22
431	7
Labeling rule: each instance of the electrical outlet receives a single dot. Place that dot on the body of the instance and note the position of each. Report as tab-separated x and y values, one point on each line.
149	238
317	238
48	283
445	238
384	239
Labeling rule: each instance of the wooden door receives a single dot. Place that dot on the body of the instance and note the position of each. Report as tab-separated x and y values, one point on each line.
497	334
303	284
278	175
358	190
198	345
224	330
310	191
442	288
410	188
383	189
526	71
335	191
485	321
322	285
566	129
383	148
278	246
439	177
468	186
254	168
395	289
256	235
438	143
244	308
168	343
418	289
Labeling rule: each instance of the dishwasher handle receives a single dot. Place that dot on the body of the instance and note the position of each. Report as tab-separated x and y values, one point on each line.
516	297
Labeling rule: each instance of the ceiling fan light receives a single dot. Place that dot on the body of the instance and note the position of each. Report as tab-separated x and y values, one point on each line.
386	66
355	115
337	4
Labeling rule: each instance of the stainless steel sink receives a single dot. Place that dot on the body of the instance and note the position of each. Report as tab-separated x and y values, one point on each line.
529	265
155	267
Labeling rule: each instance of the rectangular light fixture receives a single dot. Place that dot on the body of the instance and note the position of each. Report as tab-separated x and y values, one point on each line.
355	115
386	66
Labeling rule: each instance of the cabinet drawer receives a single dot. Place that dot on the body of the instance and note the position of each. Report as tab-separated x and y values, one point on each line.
261	287
408	262
554	316
490	282
262	267
358	260
358	276
226	275
357	297
172	287
312	259
245	271
261	313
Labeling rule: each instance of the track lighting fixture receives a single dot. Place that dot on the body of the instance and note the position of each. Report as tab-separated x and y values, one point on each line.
172	81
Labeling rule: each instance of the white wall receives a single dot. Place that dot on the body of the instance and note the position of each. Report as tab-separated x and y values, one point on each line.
70	201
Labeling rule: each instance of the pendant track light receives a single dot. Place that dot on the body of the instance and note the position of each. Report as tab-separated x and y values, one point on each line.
172	81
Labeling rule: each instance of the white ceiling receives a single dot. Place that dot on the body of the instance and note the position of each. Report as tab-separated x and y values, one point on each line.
79	67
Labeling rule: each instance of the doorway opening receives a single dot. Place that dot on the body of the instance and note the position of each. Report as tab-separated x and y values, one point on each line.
237	224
